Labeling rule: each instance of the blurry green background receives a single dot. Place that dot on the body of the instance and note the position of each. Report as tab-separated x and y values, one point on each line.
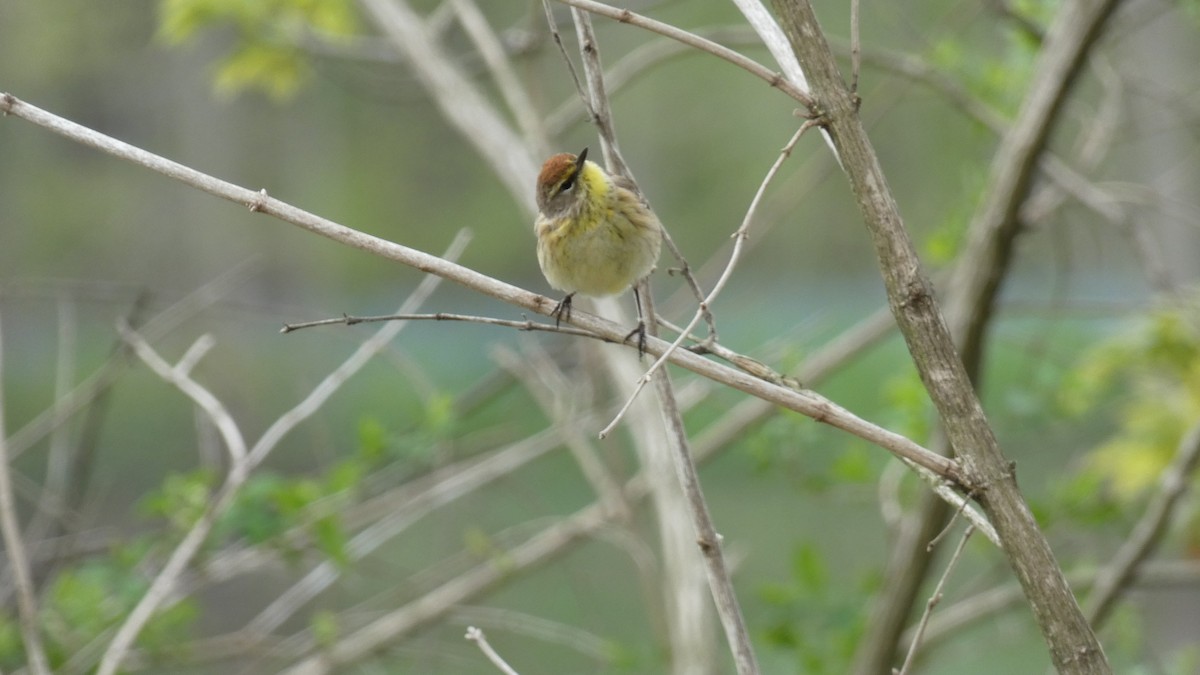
83	235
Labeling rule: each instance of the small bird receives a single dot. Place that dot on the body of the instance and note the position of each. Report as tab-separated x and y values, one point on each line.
596	235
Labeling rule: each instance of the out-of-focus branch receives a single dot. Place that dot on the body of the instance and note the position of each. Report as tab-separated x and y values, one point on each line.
967	613
244	459
457	97
1119	573
494	55
775	40
994	228
183	553
18	561
689	633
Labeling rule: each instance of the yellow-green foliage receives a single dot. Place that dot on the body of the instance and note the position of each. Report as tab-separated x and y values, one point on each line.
1154	373
270	35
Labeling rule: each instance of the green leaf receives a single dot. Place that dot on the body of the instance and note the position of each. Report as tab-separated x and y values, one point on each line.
325	628
808	569
332	540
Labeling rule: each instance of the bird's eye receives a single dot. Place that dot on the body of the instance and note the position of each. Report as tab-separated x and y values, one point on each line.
568	183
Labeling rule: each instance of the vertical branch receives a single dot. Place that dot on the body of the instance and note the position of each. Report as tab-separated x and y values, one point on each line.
719	580
459	100
680	581
509	85
994	228
17	559
243	460
971	294
720	583
1073	646
597	95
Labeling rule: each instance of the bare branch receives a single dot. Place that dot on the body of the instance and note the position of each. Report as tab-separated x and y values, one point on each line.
774	38
739	238
475	635
1073	645
18	561
244	460
805	402
515	95
457	97
719	579
164	582
758	70
934	600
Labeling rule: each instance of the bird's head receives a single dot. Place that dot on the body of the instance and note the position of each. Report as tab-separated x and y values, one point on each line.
563	183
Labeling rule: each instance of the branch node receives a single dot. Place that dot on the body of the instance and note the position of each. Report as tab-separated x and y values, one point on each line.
259	202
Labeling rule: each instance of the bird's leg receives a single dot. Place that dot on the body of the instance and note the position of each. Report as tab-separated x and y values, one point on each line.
562	311
640	330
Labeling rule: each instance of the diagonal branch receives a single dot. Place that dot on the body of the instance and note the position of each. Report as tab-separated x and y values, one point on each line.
18	561
750	65
244	460
986	260
805	402
1116	576
1073	646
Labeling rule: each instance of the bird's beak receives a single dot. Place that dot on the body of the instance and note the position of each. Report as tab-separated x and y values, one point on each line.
580	160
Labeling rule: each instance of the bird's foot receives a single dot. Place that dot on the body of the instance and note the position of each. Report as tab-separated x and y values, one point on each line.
640	332
562	311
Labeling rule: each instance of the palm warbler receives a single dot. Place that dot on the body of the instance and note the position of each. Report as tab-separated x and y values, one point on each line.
596	234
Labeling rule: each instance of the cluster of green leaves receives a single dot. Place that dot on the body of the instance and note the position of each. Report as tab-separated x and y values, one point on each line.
291	515
783	444
1154	373
85	602
269	35
1145	384
814	618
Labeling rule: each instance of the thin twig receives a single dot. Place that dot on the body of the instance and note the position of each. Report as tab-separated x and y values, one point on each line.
475	635
719	579
555	395
855	48
244	460
460	101
526	325
806	403
949	525
739	238
760	71
934	600
596	101
597	95
562	49
18	561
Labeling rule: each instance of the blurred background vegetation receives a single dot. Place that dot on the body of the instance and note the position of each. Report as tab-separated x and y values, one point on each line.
1092	375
